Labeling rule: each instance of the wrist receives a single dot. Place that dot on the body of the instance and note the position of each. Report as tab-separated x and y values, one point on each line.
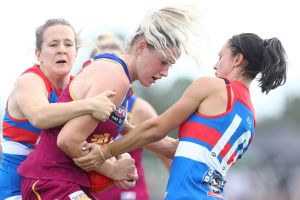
104	151
115	170
88	106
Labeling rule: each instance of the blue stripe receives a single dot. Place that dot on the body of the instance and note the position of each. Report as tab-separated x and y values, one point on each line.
13	159
131	102
24	125
53	97
221	123
114	57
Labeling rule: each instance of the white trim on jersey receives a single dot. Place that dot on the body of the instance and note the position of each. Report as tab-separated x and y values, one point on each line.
17	197
243	139
198	153
227	135
247	137
16	148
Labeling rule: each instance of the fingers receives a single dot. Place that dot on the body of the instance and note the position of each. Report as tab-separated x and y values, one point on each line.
133	177
109	93
86	165
87	146
128	184
124	156
124	184
80	161
118	184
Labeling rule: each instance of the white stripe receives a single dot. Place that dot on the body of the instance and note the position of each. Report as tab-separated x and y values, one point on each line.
227	135
11	147
198	153
245	136
17	197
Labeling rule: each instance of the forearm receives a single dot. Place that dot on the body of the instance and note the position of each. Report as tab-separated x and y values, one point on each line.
72	137
107	169
56	114
72	148
143	134
165	147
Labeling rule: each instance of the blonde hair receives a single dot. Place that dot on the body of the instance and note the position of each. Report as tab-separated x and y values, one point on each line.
171	27
107	41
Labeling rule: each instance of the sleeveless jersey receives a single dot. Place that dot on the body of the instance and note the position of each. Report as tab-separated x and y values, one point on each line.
140	191
211	143
21	131
19	137
48	162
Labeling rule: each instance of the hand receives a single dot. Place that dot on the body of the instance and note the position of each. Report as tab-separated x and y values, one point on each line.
102	106
125	168
90	161
124	184
126	127
129	183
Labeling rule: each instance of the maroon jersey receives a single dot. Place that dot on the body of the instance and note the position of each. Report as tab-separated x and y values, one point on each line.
48	162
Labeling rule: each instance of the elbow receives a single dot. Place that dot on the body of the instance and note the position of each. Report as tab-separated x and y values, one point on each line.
169	154
173	147
37	123
64	144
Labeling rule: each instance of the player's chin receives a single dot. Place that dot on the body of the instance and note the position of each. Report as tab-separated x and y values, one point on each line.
146	83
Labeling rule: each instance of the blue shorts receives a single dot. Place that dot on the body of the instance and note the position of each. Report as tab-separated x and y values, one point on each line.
10	180
203	192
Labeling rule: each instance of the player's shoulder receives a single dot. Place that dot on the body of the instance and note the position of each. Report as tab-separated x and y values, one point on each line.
209	83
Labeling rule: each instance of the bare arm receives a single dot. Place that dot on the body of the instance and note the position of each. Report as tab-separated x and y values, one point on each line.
73	135
29	100
157	128
166	147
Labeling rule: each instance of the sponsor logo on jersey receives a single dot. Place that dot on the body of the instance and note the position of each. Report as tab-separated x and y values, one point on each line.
79	195
118	116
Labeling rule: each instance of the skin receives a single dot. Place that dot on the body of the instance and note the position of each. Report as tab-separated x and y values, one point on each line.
144	112
149	65
97	78
29	97
210	100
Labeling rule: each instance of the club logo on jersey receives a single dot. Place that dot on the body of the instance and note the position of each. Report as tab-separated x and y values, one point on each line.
118	116
100	138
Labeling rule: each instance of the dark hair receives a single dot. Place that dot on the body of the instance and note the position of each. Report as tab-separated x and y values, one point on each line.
39	32
267	57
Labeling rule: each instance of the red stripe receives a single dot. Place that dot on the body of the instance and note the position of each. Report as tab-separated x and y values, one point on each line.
19	134
215	195
231	159
86	63
228	87
225	150
200	132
